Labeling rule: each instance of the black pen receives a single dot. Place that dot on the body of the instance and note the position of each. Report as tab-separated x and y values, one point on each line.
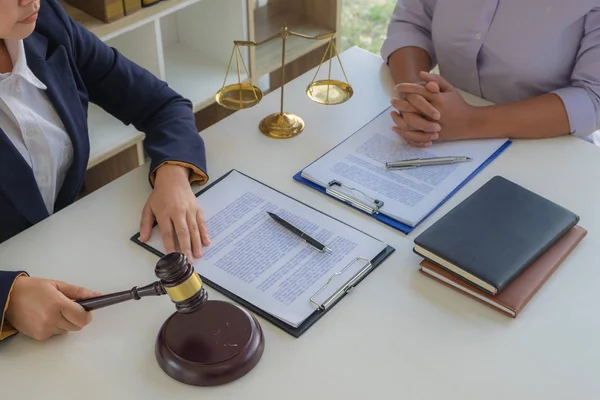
313	242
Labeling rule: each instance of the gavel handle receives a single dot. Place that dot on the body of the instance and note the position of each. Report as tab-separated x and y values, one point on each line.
136	293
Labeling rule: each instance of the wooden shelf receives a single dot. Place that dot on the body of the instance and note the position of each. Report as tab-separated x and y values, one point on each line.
108	135
195	75
268	20
108	31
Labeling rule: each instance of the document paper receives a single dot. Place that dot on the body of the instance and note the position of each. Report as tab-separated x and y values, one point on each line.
258	260
408	195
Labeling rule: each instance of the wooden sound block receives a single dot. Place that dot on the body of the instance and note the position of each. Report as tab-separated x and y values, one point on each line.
215	345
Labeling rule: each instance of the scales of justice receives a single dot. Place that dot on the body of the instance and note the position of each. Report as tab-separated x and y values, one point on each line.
283	125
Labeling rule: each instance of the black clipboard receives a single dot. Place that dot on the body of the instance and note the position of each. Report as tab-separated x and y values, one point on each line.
320	311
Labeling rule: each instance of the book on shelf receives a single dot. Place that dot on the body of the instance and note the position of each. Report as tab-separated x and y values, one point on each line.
105	10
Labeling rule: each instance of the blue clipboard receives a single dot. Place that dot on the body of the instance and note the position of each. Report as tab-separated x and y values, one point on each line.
402	227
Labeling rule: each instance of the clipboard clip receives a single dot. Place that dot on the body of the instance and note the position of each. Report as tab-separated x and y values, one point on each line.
340	191
346	287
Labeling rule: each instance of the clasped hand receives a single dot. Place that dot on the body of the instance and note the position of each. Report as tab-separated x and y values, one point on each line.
430	110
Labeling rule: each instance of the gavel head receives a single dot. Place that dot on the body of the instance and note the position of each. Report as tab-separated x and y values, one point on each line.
181	282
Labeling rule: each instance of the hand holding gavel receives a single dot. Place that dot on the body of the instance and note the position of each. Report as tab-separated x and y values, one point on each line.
177	279
41	308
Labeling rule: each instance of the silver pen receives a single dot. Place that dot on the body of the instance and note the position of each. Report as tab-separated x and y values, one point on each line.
423	162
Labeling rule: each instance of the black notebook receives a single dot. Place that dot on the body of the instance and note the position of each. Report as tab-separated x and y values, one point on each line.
494	234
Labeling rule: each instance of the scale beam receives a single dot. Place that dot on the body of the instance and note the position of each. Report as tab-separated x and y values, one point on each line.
283	125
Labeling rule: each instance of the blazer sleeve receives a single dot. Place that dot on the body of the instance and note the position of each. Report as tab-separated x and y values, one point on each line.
7	280
135	96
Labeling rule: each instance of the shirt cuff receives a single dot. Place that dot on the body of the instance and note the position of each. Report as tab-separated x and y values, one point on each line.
407	39
6	329
583	117
196	174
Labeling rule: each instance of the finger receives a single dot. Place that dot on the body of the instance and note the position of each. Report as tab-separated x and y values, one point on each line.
419	144
75	314
415	136
167	233
399	121
433	87
195	238
401	95
203	230
65	325
423	106
413	88
55	332
403	106
74	292
417	122
147	223
183	236
441	81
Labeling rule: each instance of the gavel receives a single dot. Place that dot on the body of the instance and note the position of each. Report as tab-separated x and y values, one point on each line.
177	279
204	343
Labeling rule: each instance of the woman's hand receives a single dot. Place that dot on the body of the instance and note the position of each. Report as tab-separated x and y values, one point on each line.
416	118
174	206
41	308
455	114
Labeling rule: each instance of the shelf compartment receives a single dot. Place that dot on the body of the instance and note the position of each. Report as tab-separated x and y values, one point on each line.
300	18
108	31
196	75
108	135
142	46
197	48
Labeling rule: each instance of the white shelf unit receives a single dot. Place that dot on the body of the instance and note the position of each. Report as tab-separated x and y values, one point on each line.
308	17
197	45
189	43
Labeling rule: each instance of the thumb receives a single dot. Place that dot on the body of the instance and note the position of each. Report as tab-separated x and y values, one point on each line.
146	223
75	292
443	84
75	314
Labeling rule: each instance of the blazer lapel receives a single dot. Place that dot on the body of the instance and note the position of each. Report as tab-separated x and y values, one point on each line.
18	184
17	181
52	67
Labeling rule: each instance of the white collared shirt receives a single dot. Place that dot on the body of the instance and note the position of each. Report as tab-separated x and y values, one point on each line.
31	123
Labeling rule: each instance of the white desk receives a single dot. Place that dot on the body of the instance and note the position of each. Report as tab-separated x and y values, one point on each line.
399	335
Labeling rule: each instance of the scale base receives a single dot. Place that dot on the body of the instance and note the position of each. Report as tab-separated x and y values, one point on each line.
215	345
281	125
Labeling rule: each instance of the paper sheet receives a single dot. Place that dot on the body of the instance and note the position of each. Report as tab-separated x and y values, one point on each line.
257	259
408	195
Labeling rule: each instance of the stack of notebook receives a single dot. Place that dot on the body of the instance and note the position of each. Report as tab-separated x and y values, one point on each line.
499	245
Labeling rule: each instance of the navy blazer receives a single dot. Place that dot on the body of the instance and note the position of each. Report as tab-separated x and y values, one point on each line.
78	68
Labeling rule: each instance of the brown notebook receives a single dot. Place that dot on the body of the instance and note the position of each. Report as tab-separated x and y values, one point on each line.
517	294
